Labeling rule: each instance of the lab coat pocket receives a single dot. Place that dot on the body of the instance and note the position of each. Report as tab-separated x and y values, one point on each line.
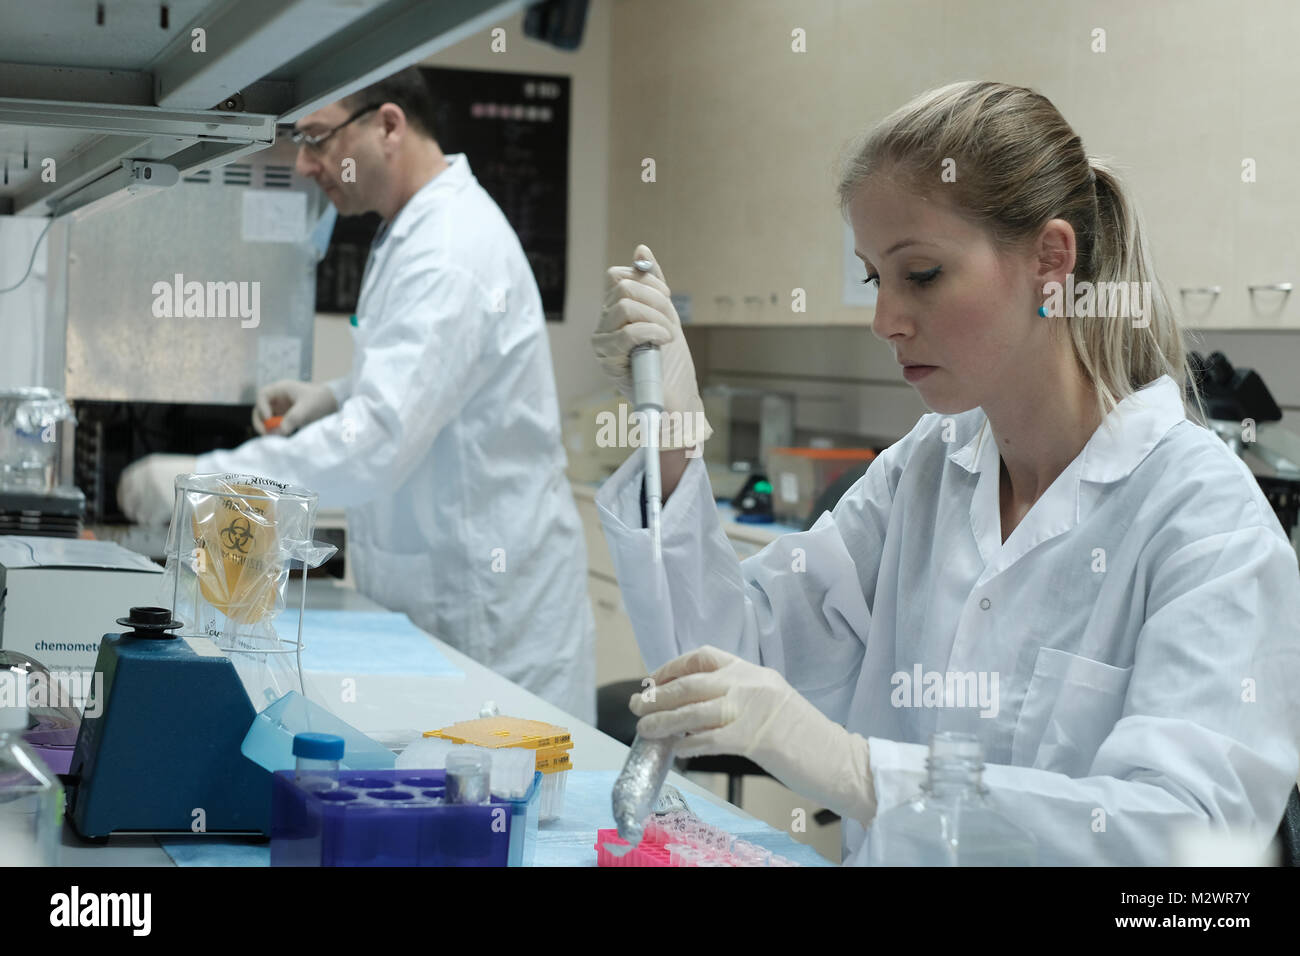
1070	707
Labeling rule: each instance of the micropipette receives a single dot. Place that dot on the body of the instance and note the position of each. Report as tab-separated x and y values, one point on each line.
648	398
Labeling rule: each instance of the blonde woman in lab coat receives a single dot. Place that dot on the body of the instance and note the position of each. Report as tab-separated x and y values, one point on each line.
1056	524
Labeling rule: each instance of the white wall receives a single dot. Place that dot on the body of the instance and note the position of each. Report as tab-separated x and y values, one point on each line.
576	372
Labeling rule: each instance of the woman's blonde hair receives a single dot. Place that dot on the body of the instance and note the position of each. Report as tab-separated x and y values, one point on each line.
1018	164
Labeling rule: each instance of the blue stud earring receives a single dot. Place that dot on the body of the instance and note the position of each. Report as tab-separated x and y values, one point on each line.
1042	311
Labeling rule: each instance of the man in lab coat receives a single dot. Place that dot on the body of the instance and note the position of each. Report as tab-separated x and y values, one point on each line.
444	441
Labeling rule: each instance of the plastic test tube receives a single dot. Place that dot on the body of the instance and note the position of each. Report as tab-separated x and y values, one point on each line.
317	759
719	840
749	854
469	775
689	856
699	835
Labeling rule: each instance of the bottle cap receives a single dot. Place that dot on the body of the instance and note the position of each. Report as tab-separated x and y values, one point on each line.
318	746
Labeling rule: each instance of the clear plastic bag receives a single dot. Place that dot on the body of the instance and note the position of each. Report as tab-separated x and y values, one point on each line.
232	543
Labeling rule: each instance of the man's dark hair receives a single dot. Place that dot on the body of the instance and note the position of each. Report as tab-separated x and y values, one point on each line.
406	89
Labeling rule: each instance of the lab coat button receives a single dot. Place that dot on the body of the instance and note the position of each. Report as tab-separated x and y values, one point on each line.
984	604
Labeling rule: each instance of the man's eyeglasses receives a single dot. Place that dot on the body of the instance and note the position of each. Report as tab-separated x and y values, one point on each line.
301	138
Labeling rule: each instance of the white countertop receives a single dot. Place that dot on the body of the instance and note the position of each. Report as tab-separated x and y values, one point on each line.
397	708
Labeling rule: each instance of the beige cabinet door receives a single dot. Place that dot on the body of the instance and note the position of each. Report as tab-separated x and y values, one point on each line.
1161	102
746	132
599	561
617	655
740	133
641	130
1268	114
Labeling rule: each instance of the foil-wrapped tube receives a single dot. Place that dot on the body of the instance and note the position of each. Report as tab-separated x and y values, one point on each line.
637	787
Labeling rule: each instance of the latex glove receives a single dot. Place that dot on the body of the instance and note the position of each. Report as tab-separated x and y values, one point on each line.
301	403
147	489
726	705
638	311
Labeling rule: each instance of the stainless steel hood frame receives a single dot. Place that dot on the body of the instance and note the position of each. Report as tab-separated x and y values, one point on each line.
112	133
93	85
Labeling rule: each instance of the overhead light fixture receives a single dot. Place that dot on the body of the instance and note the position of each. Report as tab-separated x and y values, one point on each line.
133	178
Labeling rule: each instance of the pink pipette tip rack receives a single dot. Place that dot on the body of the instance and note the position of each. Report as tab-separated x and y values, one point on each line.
696	844
645	854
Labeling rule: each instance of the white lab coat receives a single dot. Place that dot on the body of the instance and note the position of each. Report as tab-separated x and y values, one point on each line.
446	448
1142	621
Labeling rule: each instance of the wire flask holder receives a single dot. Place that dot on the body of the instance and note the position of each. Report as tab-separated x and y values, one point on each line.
231	548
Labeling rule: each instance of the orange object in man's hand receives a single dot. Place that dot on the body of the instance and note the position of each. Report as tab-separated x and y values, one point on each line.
273	422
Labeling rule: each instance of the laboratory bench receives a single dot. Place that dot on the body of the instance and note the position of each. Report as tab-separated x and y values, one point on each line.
395	709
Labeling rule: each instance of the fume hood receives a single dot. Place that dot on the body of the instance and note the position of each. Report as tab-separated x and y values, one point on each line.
102	101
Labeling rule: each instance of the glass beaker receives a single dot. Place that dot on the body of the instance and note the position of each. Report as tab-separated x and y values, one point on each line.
30	447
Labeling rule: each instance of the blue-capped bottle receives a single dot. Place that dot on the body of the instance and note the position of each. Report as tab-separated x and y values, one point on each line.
317	761
950	821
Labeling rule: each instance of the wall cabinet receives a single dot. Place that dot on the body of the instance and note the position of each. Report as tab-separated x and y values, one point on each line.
745	133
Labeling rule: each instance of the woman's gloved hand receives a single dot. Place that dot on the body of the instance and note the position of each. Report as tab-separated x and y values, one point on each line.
146	491
300	404
638	311
726	705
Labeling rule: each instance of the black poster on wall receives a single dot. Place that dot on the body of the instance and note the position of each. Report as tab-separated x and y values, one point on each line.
338	274
514	129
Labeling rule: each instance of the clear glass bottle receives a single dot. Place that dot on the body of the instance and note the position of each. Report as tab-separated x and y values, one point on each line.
949	822
31	797
317	761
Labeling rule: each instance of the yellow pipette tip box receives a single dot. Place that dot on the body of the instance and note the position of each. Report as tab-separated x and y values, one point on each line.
494	732
551	743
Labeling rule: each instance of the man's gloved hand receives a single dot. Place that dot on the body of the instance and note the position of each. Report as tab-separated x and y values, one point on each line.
147	489
726	705
638	311
300	403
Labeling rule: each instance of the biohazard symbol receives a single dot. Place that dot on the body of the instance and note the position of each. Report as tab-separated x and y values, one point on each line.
238	535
